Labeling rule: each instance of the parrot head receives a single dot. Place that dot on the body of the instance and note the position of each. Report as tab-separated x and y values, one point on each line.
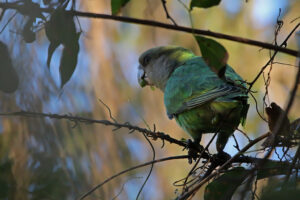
157	64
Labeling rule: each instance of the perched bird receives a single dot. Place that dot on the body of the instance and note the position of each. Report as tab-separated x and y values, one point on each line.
194	95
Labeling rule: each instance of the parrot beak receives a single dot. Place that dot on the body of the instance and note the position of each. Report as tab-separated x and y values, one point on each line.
141	77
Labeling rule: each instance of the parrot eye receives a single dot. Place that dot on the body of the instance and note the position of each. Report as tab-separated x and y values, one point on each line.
146	60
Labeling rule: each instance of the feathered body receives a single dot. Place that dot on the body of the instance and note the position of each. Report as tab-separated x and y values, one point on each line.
194	95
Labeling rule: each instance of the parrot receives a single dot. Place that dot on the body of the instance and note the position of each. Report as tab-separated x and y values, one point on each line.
194	95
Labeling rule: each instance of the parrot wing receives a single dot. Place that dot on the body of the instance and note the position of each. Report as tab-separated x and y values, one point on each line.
194	84
207	97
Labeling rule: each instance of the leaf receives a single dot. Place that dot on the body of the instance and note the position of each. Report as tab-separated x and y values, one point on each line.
9	79
27	33
279	191
291	194
68	60
295	127
214	54
272	168
60	29
225	186
283	137
51	49
31	9
116	5
274	113
7	179
204	3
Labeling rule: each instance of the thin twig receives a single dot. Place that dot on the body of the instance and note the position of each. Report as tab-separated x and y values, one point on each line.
151	168
9	20
284	43
130	169
109	110
122	188
164	3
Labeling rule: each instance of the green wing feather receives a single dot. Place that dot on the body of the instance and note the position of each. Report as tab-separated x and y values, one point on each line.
194	84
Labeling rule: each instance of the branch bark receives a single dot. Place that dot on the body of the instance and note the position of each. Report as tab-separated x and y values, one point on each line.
167	26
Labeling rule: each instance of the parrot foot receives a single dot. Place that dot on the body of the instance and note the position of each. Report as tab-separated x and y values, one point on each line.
217	160
192	152
221	158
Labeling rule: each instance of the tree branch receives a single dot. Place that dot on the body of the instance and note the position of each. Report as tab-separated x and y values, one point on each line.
205	180
167	26
153	134
164	2
130	169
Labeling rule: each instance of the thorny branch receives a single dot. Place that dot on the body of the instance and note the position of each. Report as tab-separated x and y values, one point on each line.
152	134
238	158
166	26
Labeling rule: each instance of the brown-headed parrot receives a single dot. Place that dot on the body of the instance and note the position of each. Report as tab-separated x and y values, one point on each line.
194	95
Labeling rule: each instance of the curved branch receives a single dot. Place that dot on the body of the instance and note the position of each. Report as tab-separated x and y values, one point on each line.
130	169
167	26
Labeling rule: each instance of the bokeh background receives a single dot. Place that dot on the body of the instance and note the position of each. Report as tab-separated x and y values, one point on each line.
53	159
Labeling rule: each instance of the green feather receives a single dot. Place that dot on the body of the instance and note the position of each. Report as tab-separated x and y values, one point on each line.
203	103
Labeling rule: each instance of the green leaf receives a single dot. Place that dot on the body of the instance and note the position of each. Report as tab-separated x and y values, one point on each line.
282	190
272	168
7	179
116	5
295	127
31	9
204	3
60	29
68	60
225	186
9	79
27	33
214	54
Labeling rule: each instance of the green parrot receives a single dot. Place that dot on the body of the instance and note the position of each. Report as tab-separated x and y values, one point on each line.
194	95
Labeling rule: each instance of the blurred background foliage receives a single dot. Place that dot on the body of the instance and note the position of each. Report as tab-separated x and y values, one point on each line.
57	159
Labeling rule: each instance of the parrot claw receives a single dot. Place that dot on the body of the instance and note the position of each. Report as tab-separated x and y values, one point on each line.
192	152
217	160
221	158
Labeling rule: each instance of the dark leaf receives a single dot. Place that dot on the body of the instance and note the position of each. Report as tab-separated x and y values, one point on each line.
60	29
279	191
68	60
31	9
204	3
214	54
46	2
51	49
116	5
295	127
225	186
272	168
9	80
27	33
7	180
274	113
